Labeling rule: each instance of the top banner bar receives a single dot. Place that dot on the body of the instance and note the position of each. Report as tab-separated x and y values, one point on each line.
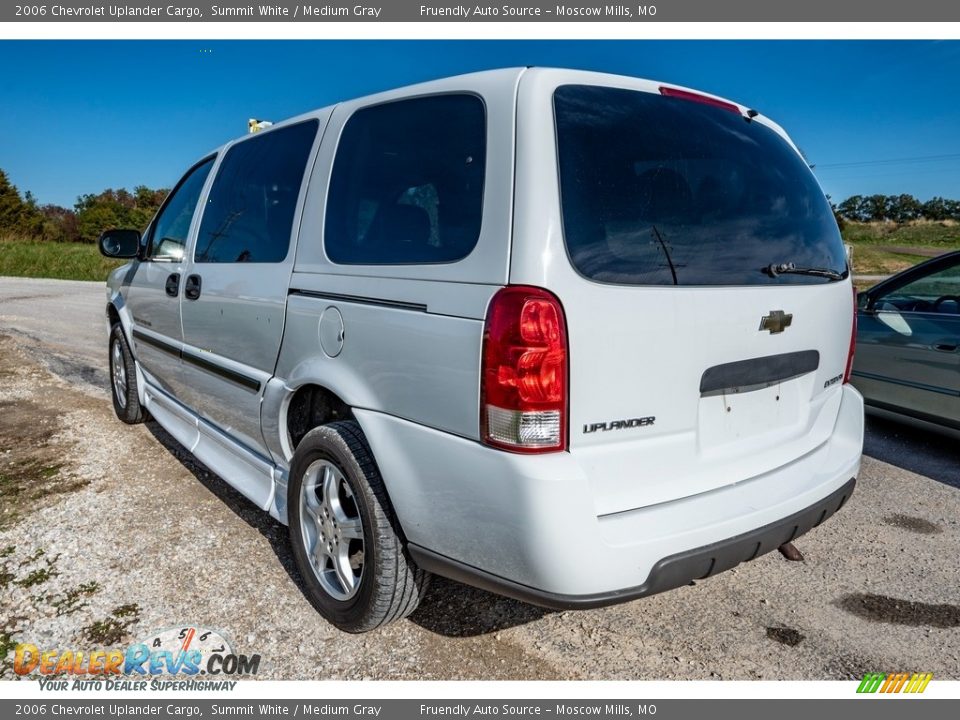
523	11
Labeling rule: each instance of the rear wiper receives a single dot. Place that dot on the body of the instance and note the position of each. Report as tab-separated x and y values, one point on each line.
774	269
666	252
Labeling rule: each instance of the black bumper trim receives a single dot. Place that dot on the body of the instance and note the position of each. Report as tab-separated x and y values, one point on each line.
668	573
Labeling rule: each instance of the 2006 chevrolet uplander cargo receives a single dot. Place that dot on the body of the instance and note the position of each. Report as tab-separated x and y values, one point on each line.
571	337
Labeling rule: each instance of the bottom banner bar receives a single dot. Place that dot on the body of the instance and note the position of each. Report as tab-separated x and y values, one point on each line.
407	709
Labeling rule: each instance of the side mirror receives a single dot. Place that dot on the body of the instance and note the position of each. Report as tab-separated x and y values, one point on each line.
120	244
865	301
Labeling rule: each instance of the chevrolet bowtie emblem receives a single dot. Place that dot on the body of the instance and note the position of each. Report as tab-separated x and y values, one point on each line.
776	322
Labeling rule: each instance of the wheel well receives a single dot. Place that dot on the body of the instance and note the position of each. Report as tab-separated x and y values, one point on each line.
310	407
112	315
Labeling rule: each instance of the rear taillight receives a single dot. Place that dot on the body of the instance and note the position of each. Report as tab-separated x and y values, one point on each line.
853	341
523	383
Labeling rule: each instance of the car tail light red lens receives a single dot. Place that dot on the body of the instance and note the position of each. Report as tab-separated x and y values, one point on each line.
698	98
853	341
523	385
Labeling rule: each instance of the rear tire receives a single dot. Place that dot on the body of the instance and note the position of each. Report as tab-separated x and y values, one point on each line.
123	379
344	533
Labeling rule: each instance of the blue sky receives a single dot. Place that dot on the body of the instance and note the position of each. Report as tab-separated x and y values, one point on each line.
82	116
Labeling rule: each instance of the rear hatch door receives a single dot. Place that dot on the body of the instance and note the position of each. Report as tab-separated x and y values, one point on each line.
710	315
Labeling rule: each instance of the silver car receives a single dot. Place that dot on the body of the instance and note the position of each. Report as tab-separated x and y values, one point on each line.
907	363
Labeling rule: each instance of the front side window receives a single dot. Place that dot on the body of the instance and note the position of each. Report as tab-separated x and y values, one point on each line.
664	191
938	292
168	235
407	182
249	213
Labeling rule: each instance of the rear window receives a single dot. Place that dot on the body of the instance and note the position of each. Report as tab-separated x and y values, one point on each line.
664	191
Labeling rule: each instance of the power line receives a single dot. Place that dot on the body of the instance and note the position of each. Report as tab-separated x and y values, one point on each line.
892	172
890	161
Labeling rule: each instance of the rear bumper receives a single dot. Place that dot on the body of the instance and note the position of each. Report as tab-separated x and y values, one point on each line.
669	573
527	526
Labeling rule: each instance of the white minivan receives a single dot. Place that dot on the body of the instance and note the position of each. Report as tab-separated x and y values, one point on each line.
570	337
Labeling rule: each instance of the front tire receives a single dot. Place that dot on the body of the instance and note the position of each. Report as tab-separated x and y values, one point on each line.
123	379
345	536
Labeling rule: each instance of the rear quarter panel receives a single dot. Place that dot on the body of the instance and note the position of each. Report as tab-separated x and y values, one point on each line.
412	333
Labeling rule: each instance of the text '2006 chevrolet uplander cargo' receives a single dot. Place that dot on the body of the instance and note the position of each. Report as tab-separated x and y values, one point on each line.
570	337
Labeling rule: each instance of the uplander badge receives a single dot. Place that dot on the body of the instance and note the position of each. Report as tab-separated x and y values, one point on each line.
619	424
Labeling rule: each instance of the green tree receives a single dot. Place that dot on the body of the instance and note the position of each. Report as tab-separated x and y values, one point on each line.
875	207
11	205
853	209
903	208
952	209
899	208
935	209
59	224
31	223
116	209
24	217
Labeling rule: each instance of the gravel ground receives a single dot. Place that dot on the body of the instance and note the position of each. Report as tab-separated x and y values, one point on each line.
108	532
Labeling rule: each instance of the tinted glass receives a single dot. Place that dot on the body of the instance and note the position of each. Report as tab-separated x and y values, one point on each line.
249	213
407	183
661	191
168	236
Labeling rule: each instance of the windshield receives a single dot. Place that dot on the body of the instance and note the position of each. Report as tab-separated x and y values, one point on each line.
663	191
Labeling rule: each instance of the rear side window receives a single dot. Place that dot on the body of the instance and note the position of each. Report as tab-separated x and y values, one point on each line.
663	191
407	182
249	212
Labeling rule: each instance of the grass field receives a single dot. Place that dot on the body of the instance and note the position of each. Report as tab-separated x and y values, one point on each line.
887	248
878	249
66	261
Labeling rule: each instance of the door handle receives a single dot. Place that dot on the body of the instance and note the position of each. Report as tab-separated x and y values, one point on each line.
173	284
945	346
191	289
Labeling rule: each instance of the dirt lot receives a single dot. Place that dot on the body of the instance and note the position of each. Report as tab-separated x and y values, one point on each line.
108	532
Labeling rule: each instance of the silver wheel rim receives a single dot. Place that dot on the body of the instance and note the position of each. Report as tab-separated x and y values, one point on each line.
332	530
119	372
